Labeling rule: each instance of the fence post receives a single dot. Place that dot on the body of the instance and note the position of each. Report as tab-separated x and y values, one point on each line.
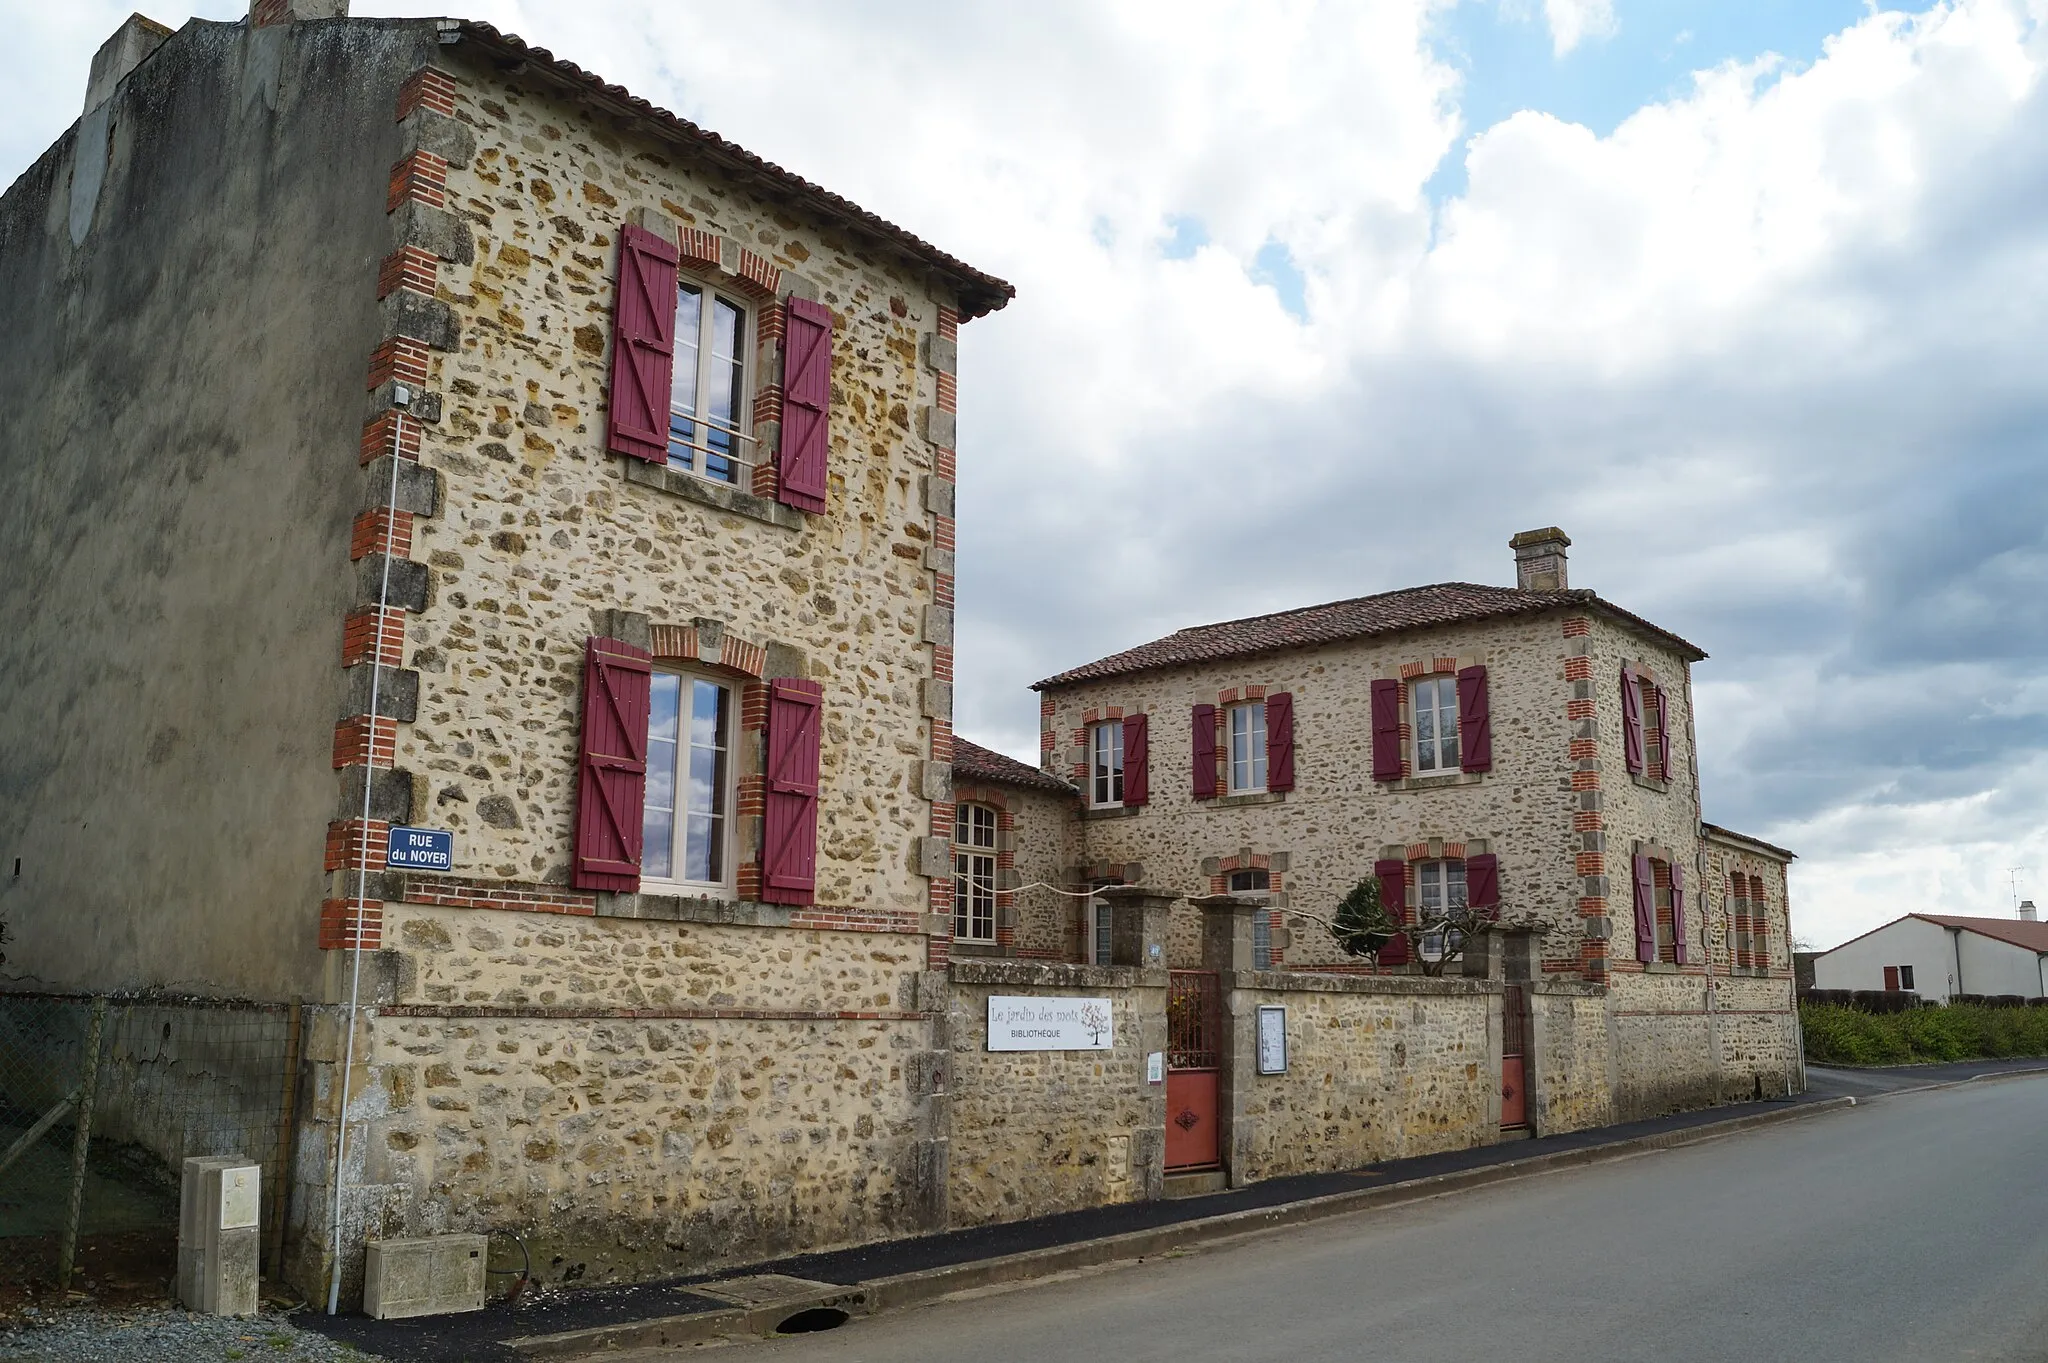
81	1141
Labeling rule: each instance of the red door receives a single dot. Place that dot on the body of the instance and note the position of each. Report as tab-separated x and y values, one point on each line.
1194	1054
1514	1062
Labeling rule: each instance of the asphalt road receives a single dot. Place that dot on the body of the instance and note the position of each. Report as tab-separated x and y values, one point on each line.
1914	1227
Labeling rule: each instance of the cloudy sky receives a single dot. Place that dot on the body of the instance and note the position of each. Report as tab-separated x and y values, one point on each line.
1320	300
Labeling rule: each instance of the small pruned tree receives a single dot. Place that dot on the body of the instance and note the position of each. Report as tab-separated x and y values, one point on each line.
1362	926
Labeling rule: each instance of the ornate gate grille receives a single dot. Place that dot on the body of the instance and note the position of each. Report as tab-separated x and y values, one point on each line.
1194	1020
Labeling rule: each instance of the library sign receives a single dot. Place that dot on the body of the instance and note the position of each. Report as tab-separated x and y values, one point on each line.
1041	1024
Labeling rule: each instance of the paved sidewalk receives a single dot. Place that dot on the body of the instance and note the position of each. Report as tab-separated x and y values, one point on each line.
486	1334
1831	1081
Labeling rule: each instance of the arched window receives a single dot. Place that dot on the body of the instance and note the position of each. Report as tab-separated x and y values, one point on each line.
974	873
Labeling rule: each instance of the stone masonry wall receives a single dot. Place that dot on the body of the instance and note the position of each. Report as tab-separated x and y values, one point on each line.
1568	1067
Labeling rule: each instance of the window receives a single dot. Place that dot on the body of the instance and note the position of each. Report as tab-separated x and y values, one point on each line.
974	873
689	781
1098	924
1250	882
1440	893
1656	757
1435	708
1667	935
1248	748
707	395
1106	763
1905	977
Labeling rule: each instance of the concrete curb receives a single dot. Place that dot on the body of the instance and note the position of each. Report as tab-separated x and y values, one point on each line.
911	1289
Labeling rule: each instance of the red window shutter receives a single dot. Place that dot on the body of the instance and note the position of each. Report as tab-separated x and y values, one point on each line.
1891	977
1386	730
643	346
1482	883
1393	878
1137	760
611	788
806	404
1663	737
1678	913
1205	752
1475	721
1631	721
1646	910
789	831
1280	741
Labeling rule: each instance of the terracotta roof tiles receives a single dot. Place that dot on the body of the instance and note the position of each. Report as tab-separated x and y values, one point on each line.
972	762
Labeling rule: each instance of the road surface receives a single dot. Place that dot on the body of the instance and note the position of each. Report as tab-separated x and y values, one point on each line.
1913	1227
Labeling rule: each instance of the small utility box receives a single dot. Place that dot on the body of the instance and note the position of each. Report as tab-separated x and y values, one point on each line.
219	1249
433	1275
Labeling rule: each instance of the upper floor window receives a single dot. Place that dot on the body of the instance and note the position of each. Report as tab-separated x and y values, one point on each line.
707	394
1248	748
1435	708
685	819
1250	882
1106	763
974	873
1667	921
1440	894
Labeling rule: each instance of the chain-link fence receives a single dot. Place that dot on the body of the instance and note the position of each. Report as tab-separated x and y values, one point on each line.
102	1098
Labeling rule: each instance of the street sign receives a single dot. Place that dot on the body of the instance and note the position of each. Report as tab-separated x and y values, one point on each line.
420	849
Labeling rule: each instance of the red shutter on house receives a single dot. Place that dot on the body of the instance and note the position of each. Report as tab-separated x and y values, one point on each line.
789	826
1482	883
1475	721
1205	752
806	404
1137	760
1280	741
643	346
1663	737
1646	910
611	787
1679	953
1631	721
1393	878
1891	977
1386	730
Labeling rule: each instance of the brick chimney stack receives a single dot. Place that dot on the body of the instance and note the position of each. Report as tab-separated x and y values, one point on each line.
264	12
1539	559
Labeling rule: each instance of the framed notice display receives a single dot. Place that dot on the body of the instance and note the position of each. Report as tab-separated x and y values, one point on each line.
1272	1039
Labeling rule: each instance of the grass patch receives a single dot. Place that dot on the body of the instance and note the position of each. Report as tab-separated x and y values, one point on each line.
1846	1036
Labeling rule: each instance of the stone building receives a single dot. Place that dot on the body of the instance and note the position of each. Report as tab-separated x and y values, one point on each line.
1528	751
405	428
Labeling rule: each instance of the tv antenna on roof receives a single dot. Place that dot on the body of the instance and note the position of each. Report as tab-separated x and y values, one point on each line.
2012	874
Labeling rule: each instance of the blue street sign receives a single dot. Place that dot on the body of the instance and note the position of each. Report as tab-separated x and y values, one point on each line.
420	849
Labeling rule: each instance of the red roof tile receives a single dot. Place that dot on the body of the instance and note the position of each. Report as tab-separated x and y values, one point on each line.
2029	936
979	292
972	762
1445	603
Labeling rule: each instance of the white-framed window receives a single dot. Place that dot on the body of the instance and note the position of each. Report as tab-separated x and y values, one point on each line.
1439	891
686	821
1250	882
1433	701
974	873
1106	763
708	408
1248	748
1099	924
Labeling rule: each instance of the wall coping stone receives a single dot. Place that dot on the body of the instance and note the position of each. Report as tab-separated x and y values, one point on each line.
1305	982
1053	975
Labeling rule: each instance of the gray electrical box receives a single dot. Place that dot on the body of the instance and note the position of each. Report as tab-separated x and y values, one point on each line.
429	1276
219	1249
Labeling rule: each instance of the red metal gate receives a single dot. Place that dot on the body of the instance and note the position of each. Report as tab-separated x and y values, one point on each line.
1194	1059
1514	1063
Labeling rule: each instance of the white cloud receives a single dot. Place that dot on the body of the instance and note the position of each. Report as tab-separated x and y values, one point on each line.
1769	351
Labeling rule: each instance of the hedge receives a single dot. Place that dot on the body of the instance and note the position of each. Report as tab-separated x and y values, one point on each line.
1838	1035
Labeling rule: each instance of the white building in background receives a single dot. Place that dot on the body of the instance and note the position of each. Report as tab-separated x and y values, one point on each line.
1940	955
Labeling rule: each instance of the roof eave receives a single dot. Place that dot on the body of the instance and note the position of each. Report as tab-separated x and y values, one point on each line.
978	292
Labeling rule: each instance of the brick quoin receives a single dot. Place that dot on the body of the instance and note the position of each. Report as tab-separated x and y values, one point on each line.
364	742
946	465
1578	669
421	177
1585	780
400	359
373	636
949	393
353	844
949	323
390	433
381	531
408	267
348	923
426	89
1591	864
1578	627
1588	821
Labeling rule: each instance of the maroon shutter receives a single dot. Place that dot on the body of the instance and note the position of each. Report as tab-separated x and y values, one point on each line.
1631	721
1205	752
1475	721
789	831
1646	910
1679	952
1664	737
1386	730
1891	977
611	788
1280	741
806	403
1393	878
1482	883
1137	760
643	346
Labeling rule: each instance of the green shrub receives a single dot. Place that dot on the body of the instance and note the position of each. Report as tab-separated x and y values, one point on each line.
1836	1035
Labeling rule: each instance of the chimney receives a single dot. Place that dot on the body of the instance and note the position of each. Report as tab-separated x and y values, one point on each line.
2027	914
264	12
1539	559
131	44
